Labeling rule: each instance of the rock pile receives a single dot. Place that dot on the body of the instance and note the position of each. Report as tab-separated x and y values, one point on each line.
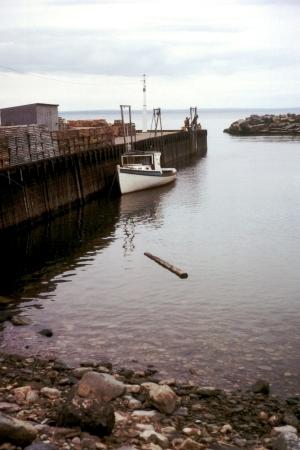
45	405
268	124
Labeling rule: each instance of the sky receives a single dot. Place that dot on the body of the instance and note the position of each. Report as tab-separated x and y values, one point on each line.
91	54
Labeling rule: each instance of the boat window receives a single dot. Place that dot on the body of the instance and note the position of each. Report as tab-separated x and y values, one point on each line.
143	159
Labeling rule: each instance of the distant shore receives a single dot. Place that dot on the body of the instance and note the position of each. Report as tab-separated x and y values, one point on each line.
268	124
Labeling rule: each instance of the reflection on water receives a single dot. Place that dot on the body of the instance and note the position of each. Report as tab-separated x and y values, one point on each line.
140	207
231	221
37	259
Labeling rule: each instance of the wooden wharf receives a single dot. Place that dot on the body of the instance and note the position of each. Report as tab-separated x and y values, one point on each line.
35	189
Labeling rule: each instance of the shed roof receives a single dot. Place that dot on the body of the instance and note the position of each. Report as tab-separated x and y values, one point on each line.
30	104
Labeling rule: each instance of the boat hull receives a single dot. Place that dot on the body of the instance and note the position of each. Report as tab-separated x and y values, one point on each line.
138	180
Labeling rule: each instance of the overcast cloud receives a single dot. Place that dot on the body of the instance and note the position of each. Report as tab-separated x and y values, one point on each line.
91	53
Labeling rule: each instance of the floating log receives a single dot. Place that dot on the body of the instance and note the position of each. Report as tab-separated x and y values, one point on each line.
180	273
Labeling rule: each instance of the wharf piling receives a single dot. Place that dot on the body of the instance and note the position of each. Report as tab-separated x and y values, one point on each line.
33	190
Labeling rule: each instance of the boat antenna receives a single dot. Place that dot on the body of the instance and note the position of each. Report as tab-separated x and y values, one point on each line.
144	127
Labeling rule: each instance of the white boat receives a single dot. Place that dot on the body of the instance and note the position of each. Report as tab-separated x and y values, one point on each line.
139	171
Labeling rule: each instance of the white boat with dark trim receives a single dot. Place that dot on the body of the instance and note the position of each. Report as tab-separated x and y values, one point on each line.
139	171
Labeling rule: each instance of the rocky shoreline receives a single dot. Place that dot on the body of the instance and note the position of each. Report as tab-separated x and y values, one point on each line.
266	125
45	405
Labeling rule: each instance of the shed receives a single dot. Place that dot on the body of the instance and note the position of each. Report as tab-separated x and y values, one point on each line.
35	113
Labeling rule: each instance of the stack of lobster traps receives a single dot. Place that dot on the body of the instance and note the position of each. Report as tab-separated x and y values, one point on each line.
24	143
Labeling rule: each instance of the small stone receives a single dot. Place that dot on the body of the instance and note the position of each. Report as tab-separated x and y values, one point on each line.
187	430
21	393
101	446
132	403
50	393
144	414
207	391
46	332
183	412
190	444
261	387
161	397
119	417
273	420
133	388
177	442
227	428
151	446
76	440
263	416
156	438
19	321
32	396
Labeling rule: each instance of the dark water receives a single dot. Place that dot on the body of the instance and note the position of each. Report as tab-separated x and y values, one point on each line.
231	221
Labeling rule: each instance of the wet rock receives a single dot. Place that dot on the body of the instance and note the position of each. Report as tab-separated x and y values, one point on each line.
101	386
16	431
261	387
41	446
161	397
91	415
46	332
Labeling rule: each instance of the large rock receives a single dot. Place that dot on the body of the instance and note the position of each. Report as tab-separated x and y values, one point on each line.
100	386
16	431
88	406
90	415
161	397
287	438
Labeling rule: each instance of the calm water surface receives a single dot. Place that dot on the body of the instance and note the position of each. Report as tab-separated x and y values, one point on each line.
231	221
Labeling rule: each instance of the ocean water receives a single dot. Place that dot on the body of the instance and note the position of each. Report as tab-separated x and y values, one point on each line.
231	220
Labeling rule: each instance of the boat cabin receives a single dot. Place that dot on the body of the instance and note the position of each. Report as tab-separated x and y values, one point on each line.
146	161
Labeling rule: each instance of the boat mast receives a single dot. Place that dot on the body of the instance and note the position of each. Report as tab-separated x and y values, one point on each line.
127	127
144	127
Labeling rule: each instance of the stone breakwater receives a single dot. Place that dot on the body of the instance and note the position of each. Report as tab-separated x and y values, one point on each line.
45	405
268	124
